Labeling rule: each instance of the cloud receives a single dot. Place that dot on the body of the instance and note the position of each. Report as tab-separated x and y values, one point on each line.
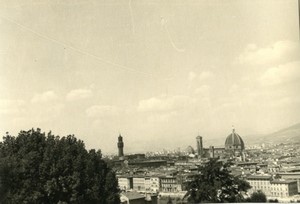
203	90
77	94
251	47
234	88
285	73
11	107
163	103
277	53
10	102
200	77
205	75
283	102
102	111
192	76
44	97
162	117
47	113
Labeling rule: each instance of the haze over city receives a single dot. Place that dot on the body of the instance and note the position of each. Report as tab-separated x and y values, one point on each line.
157	72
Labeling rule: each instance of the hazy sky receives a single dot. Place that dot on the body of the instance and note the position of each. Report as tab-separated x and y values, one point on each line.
158	72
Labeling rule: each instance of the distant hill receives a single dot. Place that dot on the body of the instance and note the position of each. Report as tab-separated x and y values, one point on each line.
285	135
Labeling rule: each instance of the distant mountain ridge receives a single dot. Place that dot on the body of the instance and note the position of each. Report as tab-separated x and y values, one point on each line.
286	135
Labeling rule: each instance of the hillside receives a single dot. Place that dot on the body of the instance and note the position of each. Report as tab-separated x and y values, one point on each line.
285	135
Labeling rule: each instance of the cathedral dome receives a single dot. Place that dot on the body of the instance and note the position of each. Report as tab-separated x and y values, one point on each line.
234	142
190	150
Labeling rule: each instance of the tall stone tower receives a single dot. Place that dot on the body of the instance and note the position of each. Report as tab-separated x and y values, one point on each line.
211	151
199	146
120	146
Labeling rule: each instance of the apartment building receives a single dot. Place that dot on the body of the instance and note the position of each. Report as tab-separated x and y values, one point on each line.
169	184
125	183
272	188
283	188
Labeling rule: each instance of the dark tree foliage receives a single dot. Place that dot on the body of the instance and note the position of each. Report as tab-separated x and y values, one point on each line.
215	184
35	168
169	200
258	197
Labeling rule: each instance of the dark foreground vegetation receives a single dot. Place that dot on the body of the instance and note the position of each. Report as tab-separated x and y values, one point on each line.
215	184
42	168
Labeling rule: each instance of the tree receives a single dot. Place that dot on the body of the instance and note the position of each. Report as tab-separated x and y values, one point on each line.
215	184
276	201
258	197
169	200
35	168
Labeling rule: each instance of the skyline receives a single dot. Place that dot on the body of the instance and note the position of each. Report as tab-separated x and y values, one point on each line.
156	72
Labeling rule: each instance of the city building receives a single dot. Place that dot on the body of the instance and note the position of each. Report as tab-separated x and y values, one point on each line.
139	183
291	176
272	188
154	184
125	183
218	152
132	198
169	184
148	163
283	188
147	184
135	156
260	183
234	148
137	160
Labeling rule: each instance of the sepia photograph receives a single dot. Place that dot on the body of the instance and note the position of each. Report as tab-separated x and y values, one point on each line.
149	101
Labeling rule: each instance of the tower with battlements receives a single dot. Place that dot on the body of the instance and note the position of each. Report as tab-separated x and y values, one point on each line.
120	147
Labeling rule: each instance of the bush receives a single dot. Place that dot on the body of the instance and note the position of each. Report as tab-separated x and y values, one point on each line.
258	197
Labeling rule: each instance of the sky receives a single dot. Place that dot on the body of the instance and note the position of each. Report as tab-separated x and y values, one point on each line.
157	72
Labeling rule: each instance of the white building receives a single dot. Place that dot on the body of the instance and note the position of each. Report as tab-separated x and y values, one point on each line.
272	188
291	176
147	184
283	188
260	183
154	184
125	183
169	184
139	183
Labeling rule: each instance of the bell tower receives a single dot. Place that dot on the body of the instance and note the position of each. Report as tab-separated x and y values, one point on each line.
199	146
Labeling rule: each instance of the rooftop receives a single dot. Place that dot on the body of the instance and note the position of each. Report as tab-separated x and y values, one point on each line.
289	173
262	177
133	195
283	181
246	163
